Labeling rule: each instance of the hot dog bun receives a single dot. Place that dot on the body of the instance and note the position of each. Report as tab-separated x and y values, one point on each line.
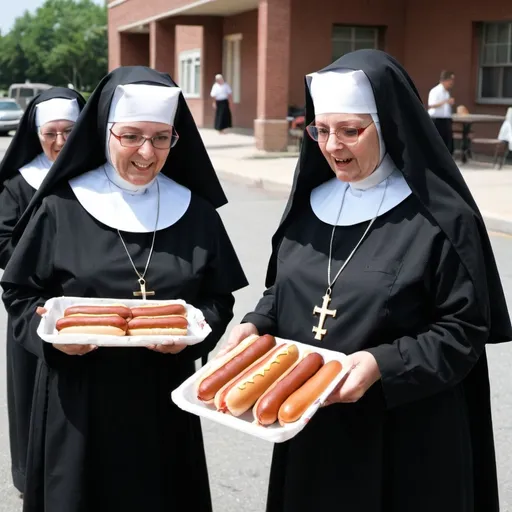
158	325
267	407
241	393
237	360
299	401
106	330
92	324
116	309
159	310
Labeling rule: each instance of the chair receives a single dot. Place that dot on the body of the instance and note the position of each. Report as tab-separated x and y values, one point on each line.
296	131
458	132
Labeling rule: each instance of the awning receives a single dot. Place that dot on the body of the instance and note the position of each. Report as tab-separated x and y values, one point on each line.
197	8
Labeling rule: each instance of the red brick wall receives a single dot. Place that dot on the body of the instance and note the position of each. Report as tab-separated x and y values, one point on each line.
134	49
453	46
189	38
244	113
425	36
311	47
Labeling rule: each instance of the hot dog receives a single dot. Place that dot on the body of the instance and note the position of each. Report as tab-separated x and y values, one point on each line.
113	325
241	393
158	325
159	310
236	361
116	309
267	407
299	401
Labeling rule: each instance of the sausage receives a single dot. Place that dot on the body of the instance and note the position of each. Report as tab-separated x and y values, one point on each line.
299	401
241	357
83	319
117	309
267	407
113	325
241	393
159	310
158	325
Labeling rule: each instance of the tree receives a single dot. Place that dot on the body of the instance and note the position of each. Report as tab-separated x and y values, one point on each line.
65	41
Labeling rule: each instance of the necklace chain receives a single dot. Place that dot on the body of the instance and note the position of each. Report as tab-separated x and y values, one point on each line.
330	283
143	275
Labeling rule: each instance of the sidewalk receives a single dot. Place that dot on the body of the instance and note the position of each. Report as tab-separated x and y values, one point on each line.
235	158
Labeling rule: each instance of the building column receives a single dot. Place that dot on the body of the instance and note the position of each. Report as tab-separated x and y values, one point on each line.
271	127
162	37
211	63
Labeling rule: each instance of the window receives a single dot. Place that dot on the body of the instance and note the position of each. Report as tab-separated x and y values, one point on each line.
232	64
190	73
496	63
347	39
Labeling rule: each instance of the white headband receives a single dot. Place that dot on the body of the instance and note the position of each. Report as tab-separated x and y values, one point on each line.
140	102
342	92
56	109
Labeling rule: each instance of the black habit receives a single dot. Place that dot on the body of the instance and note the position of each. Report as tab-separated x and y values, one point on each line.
15	196
423	295
222	115
105	434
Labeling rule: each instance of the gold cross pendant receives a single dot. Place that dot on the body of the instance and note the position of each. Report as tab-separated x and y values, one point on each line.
143	293
323	312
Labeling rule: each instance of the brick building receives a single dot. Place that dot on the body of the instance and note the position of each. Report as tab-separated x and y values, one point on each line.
265	47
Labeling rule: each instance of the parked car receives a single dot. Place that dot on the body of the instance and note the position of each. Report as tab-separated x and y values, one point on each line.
10	115
24	93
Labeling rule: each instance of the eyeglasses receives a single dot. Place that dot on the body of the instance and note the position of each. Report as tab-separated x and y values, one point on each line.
348	135
136	140
52	136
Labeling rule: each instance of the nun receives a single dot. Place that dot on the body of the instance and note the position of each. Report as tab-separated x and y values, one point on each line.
382	254
222	98
44	128
129	208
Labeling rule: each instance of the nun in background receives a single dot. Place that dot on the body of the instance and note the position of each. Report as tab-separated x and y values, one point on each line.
221	93
132	199
44	128
383	255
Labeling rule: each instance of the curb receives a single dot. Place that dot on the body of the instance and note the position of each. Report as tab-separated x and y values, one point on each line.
492	221
496	223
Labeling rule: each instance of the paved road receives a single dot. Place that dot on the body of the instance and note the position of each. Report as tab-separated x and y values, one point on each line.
239	464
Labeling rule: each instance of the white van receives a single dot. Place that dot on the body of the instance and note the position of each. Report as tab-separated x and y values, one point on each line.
24	93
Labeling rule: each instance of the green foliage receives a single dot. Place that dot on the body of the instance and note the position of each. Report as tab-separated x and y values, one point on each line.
64	41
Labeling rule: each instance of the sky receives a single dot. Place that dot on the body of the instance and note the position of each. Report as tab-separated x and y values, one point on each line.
11	9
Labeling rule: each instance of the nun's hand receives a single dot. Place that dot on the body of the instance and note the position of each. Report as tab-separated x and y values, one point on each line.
40	311
362	374
239	333
75	350
168	347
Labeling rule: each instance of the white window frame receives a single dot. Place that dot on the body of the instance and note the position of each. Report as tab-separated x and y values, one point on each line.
189	60
353	39
500	100
232	64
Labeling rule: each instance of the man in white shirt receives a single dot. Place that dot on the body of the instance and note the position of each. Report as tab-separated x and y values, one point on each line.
440	107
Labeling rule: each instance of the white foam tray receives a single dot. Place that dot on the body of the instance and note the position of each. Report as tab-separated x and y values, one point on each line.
185	397
198	328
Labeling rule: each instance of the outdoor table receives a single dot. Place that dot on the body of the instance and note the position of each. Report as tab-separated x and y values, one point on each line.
467	120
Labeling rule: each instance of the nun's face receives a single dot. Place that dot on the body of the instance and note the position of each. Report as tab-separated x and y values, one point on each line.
138	165
53	136
350	162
